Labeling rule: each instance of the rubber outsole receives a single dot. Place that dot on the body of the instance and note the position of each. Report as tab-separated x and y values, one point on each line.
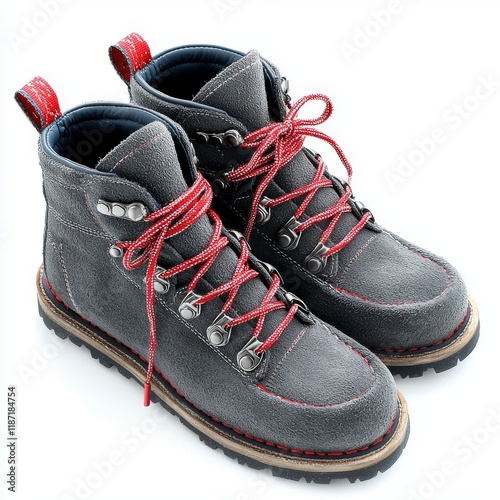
441	358
359	466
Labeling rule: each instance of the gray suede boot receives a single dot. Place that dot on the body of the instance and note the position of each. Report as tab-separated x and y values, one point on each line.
139	269
405	304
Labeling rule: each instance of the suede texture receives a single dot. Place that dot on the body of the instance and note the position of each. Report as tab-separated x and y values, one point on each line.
309	403
246	75
384	292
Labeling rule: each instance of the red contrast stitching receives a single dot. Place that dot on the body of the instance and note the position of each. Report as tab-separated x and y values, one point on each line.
315	405
139	148
423	348
312	405
215	419
403	303
289	350
358	253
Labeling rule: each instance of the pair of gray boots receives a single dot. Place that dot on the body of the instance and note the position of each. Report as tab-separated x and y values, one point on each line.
278	355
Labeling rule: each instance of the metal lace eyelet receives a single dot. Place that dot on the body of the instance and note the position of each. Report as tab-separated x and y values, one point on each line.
316	261
359	209
271	269
239	236
287	237
132	211
247	358
217	333
188	309
263	211
291	298
236	234
232	138
219	182
229	139
285	87
115	251
161	285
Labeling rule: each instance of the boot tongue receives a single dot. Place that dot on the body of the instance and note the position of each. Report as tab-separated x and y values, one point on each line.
240	90
148	157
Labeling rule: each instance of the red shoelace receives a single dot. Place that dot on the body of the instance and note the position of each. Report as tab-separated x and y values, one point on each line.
172	220
275	145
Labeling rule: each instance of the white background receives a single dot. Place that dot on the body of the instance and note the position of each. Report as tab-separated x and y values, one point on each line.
430	56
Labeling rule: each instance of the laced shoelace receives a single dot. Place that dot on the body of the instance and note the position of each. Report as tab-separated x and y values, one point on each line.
275	145
172	220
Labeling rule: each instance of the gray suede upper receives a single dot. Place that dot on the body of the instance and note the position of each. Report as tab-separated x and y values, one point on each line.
297	397
385	292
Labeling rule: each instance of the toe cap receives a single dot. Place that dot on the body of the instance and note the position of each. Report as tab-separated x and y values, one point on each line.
336	395
399	296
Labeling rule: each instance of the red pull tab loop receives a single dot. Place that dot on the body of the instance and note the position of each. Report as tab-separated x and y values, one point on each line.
129	56
39	102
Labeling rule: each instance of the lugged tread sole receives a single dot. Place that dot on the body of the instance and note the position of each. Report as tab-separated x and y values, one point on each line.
318	470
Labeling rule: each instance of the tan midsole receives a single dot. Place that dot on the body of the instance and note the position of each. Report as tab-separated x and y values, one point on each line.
439	354
226	440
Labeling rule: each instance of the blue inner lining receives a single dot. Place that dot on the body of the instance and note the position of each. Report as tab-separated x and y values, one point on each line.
180	73
84	135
